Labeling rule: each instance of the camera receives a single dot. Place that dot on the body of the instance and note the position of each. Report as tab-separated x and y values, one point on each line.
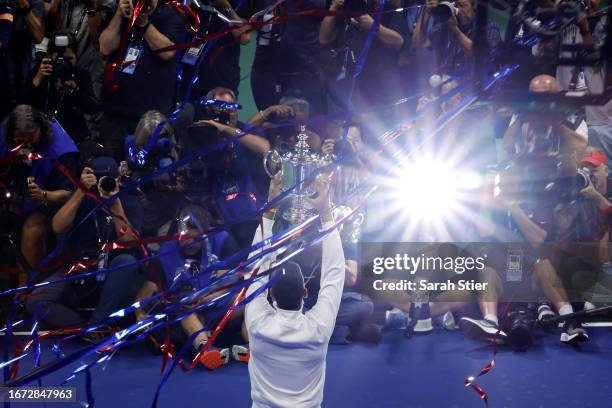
583	179
62	69
106	182
519	326
444	11
356	5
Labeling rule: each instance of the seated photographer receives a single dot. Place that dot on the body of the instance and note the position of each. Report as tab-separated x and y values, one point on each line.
288	346
181	263
583	225
161	197
449	28
520	214
146	78
60	88
346	38
118	222
236	174
37	186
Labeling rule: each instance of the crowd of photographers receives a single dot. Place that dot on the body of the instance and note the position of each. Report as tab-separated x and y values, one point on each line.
79	133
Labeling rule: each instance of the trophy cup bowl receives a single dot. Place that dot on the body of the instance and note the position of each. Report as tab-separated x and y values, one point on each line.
296	168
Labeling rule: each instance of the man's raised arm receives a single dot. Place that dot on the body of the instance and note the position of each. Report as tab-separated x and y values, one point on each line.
332	267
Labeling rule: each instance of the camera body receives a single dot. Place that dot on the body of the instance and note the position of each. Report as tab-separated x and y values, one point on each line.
62	69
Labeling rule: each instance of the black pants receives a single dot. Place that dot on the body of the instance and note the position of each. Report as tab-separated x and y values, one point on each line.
58	302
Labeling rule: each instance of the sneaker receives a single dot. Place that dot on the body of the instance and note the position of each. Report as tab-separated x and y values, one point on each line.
396	319
482	330
214	358
445	321
241	353
421	319
573	333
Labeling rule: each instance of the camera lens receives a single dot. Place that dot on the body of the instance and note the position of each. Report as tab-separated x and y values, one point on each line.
107	184
582	180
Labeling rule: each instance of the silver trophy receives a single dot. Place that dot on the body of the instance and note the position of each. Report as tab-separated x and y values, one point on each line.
296	167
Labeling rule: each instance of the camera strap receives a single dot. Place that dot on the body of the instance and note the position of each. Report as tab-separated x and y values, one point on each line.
69	14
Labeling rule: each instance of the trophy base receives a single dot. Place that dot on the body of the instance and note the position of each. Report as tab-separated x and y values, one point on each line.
298	215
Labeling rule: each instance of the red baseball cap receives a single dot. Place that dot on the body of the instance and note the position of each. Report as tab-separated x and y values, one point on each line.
595	158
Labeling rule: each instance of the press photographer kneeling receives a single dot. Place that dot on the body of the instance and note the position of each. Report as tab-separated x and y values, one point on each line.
116	222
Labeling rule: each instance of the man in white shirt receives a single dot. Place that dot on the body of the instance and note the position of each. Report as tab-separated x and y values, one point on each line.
288	347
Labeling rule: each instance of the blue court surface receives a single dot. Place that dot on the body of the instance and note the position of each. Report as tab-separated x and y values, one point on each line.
426	371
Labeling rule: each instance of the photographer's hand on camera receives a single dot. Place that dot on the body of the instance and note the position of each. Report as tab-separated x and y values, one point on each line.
45	70
36	193
336	5
125	8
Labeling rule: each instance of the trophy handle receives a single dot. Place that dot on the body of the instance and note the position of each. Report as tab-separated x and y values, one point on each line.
272	163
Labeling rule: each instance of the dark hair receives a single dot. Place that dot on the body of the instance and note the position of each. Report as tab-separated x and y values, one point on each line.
26	119
201	216
72	42
288	290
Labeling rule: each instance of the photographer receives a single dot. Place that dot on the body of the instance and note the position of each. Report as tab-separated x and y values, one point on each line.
84	19
288	55
146	78
118	222
347	37
221	65
37	186
162	197
61	89
449	28
237	175
16	47
182	264
583	224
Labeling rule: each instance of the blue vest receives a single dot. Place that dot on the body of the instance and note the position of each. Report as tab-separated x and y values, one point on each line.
173	262
61	144
236	194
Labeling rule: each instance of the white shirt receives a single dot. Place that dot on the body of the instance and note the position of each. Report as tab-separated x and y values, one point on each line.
289	348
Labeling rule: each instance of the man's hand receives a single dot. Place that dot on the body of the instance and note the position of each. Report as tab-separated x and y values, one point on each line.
140	315
45	70
328	146
452	23
125	8
321	201
142	20
336	5
88	178
280	111
354	139
36	193
589	192
275	186
221	127
364	22
23	4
